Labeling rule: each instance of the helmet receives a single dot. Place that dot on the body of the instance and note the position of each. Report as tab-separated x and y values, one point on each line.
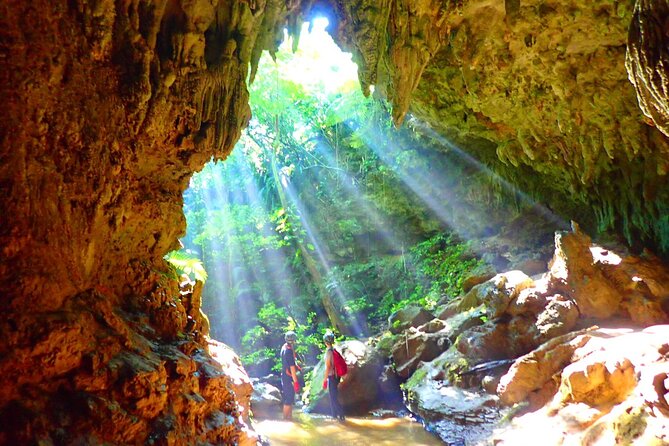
290	336
329	337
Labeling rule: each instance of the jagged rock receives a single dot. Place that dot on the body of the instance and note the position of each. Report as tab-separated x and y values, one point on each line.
191	297
237	377
510	338
531	372
646	60
608	391
557	318
596	381
603	284
391	56
531	300
117	105
573	271
497	292
504	109
410	316
415	346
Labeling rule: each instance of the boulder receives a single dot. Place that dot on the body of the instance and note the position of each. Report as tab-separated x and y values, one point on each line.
359	390
449	308
410	316
530	300
575	273
464	320
597	380
478	275
416	346
557	318
456	415
613	389
511	336
265	400
531	372
605	285
607	385
497	292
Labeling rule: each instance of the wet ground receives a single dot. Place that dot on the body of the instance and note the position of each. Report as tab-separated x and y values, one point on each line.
316	430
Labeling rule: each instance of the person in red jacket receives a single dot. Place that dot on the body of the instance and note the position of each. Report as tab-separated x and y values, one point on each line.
289	382
331	381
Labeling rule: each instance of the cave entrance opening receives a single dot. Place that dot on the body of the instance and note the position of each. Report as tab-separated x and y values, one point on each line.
325	216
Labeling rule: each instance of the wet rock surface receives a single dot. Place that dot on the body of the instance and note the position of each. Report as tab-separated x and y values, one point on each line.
526	357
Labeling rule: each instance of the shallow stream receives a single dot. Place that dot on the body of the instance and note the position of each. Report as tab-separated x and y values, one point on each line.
316	430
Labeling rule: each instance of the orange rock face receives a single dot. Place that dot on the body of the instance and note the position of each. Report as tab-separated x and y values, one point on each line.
108	108
603	284
612	390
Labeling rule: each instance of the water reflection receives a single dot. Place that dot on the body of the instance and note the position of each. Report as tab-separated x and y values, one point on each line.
308	430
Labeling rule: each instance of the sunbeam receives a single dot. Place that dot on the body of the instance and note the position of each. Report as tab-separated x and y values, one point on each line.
542	210
285	208
315	240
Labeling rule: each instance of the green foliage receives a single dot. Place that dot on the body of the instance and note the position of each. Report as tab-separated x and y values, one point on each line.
444	262
261	342
386	343
334	154
429	271
187	264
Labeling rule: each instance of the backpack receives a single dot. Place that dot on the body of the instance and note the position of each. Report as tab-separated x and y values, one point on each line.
340	366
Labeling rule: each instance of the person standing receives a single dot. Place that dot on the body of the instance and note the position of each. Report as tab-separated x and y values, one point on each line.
331	381
289	383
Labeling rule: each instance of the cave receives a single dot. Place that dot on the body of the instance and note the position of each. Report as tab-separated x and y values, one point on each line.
110	107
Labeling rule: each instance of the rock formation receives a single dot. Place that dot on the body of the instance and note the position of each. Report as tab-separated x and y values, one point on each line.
360	389
609	386
578	381
647	56
109	107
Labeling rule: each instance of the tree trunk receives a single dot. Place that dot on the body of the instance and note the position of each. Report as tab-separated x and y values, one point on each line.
328	304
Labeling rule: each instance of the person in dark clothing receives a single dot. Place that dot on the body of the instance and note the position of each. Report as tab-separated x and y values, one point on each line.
331	381
289	382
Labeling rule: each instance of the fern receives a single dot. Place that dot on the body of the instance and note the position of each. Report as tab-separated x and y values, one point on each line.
187	264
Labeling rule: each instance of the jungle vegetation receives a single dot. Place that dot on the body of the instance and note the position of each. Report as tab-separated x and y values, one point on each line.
314	222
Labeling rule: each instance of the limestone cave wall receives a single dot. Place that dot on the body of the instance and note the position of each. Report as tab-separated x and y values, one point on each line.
110	106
